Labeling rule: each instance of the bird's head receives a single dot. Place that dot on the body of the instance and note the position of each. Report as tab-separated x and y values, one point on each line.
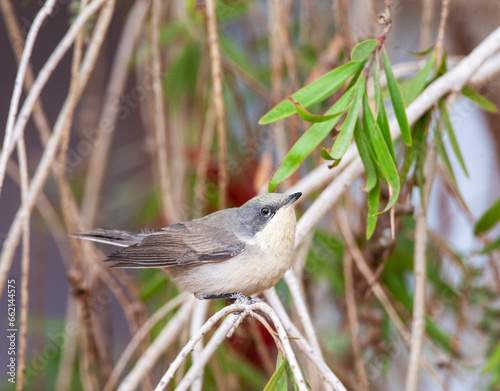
257	213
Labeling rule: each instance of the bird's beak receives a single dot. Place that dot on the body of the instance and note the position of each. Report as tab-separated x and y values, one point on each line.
292	198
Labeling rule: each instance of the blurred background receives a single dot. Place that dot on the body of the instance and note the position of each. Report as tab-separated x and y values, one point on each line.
109	177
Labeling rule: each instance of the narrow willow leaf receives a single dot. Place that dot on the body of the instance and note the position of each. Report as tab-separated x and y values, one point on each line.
315	92
279	376
423	52
479	99
346	131
439	336
495	245
383	154
309	141
493	361
325	155
310	117
451	135
415	86
373	202
444	157
419	137
397	100
488	219
363	50
366	157
383	124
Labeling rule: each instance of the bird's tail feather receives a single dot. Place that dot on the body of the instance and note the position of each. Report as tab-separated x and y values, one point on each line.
111	236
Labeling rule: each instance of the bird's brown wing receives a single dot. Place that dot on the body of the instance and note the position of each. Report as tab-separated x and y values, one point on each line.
183	244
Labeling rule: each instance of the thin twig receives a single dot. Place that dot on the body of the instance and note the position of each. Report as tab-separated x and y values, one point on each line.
202	166
342	16
170	212
302	311
352	315
342	223
445	10
40	82
45	11
99	159
419	260
158	347
25	265
276	59
218	338
218	98
49	154
17	43
199	316
426	23
138	337
329	378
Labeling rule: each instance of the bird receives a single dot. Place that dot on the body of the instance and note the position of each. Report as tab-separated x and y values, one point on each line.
233	253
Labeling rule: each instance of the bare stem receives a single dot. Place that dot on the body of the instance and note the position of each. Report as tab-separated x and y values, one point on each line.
215	61
106	127
419	260
352	315
8	145
139	336
25	265
218	338
40	82
158	347
445	10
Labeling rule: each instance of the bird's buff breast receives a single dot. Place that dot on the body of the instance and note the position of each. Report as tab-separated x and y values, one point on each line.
260	266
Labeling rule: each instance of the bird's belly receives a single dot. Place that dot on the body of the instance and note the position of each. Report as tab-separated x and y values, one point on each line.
250	272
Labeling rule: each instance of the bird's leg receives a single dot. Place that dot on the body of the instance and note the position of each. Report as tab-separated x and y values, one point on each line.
200	296
237	296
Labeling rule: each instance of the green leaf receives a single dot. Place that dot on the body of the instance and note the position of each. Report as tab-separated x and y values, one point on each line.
309	117
493	360
325	155
415	86
444	156
479	99
451	135
419	138
438	336
315	92
423	52
383	154
397	100
346	131
373	202
309	141
366	157
488	219
279	376
495	245
383	124
362	50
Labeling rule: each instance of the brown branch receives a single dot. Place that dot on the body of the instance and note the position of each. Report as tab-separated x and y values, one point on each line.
426	24
218	99
99	159
352	315
445	9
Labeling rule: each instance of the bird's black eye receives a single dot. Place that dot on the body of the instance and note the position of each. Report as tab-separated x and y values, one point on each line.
265	212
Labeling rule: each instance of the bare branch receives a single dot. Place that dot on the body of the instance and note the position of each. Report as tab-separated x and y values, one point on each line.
218	98
419	260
